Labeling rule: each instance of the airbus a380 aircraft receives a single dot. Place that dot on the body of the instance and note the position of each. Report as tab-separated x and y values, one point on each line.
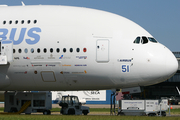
53	48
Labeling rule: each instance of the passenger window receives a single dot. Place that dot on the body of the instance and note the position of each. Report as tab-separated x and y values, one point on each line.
51	50
137	40
71	50
57	50
28	21
152	39
84	49
77	50
64	50
144	40
26	50
4	22
14	50
35	21
32	50
22	22
10	22
45	50
38	50
16	22
19	51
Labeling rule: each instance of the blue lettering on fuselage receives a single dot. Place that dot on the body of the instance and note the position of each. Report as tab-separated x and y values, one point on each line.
31	33
4	33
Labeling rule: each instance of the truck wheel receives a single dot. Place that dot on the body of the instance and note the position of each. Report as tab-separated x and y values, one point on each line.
45	112
49	112
163	113
121	113
151	114
27	113
85	112
61	111
13	109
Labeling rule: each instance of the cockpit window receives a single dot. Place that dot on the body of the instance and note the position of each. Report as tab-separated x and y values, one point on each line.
152	39
137	40
144	40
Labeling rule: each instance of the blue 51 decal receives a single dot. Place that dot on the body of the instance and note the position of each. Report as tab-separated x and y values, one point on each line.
125	68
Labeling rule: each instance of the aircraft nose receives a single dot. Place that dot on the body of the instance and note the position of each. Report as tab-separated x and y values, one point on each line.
171	64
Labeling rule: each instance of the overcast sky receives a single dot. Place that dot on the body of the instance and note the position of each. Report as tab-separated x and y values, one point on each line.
161	18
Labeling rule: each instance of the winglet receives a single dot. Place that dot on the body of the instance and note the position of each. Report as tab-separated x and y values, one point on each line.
22	3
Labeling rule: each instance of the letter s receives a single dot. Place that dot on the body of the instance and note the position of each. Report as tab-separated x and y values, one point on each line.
4	33
33	35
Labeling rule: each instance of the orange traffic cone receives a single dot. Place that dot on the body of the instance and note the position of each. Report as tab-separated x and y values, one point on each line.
171	106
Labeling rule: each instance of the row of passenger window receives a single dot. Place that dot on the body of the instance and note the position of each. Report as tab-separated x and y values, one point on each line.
20	22
51	50
144	40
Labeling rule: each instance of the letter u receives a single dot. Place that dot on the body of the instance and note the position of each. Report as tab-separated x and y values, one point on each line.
21	36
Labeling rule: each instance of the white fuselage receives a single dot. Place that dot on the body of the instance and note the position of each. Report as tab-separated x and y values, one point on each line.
107	57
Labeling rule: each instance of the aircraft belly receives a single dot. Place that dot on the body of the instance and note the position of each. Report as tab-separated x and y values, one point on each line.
4	79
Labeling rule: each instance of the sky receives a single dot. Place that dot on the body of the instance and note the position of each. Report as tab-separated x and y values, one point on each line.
161	18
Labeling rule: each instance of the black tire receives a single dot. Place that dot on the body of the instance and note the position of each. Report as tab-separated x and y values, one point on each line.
122	114
85	112
28	113
163	113
45	112
13	109
151	114
49	112
61	111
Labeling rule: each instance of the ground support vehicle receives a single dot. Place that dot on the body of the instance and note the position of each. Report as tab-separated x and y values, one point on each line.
28	102
143	107
71	106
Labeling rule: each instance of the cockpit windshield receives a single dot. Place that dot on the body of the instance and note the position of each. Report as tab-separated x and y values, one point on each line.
137	40
144	40
152	39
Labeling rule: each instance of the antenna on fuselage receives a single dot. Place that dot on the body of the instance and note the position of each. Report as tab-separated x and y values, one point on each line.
22	3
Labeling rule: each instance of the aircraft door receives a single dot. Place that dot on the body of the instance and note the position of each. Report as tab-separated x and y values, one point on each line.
102	50
7	49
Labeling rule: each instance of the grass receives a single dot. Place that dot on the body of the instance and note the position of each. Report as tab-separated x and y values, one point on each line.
65	117
1	108
101	110
88	117
174	111
91	110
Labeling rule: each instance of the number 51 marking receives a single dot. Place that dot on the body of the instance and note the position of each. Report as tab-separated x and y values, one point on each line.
125	68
